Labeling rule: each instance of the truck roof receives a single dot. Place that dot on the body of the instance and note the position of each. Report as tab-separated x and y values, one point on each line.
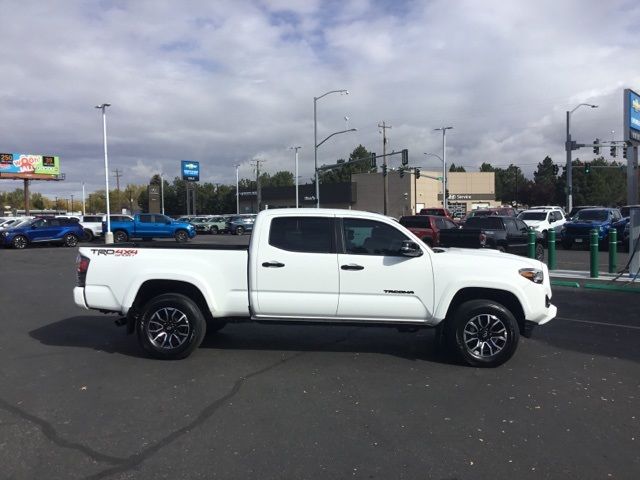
328	212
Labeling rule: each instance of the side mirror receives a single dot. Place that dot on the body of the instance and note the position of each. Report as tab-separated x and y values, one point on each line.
410	249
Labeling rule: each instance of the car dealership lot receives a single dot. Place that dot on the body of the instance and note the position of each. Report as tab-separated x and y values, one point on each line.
78	399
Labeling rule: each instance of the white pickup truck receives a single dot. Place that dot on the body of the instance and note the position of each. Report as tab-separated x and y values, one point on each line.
318	266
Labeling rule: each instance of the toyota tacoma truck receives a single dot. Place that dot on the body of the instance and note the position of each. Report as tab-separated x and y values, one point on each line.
318	266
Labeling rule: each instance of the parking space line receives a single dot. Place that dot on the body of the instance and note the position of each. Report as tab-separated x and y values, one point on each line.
599	323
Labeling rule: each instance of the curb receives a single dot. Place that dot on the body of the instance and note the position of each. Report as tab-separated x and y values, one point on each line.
605	281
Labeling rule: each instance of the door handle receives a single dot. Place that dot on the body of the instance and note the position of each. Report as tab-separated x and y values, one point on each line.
273	264
352	266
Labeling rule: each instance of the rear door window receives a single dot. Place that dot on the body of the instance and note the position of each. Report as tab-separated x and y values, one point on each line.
303	234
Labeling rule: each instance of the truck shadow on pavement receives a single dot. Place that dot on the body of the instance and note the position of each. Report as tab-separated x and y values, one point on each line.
100	333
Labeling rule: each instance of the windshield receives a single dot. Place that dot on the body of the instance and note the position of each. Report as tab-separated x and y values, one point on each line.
533	216
489	223
415	222
432	211
591	215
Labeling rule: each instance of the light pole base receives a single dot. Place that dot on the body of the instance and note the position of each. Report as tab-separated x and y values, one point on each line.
108	237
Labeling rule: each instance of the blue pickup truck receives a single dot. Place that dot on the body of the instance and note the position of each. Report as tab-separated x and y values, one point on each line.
150	225
602	219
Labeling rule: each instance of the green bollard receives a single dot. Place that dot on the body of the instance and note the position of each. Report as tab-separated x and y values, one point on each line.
594	253
551	246
613	250
531	236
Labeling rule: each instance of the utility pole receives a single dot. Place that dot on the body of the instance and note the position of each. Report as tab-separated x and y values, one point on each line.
71	203
444	163
296	179
385	178
258	189
84	212
117	173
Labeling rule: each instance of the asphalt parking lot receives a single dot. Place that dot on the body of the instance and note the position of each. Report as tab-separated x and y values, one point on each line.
79	400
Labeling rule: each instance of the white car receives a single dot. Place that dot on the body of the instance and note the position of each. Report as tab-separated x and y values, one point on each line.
544	219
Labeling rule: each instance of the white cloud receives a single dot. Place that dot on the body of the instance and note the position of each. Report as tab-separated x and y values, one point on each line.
225	82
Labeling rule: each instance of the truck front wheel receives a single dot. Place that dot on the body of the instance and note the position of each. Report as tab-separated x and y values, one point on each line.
483	333
171	326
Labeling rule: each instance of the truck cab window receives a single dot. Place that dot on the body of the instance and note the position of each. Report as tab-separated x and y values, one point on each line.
369	237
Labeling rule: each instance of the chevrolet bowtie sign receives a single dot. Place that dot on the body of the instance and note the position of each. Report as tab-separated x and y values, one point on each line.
190	171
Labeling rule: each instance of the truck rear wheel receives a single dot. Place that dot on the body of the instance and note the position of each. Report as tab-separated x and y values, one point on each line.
483	333
120	236
171	326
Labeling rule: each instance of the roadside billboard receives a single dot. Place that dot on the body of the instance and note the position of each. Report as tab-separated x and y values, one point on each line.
631	116
190	171
28	166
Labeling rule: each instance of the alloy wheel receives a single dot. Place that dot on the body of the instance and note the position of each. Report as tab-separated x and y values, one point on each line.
485	336
168	328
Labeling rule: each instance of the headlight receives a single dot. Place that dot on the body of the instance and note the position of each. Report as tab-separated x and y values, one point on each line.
533	274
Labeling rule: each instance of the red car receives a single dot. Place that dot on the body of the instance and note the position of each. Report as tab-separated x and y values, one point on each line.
427	227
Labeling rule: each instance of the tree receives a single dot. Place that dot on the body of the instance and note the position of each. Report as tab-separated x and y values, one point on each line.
511	184
546	188
343	173
486	167
453	168
281	179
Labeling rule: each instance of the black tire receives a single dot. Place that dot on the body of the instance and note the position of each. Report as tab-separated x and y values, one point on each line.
120	236
70	240
88	235
239	231
171	326
20	242
181	236
567	244
213	230
476	320
539	252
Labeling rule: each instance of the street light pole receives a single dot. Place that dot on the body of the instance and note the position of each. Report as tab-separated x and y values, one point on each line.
315	139
108	236
84	212
444	163
161	192
296	149
569	148
443	168
237	191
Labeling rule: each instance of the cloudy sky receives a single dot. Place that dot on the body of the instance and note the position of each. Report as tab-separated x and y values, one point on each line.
224	82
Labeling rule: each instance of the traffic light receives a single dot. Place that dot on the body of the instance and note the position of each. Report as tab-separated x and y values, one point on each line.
401	172
596	147
556	169
587	168
624	151
446	193
384	170
417	173
373	160
612	151
405	157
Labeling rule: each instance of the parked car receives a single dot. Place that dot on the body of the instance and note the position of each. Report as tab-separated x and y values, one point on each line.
13	222
212	225
151	225
579	228
319	265
239	224
575	210
92	226
543	220
504	233
427	227
64	231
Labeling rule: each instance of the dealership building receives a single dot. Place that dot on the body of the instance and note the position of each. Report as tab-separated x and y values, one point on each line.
407	194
